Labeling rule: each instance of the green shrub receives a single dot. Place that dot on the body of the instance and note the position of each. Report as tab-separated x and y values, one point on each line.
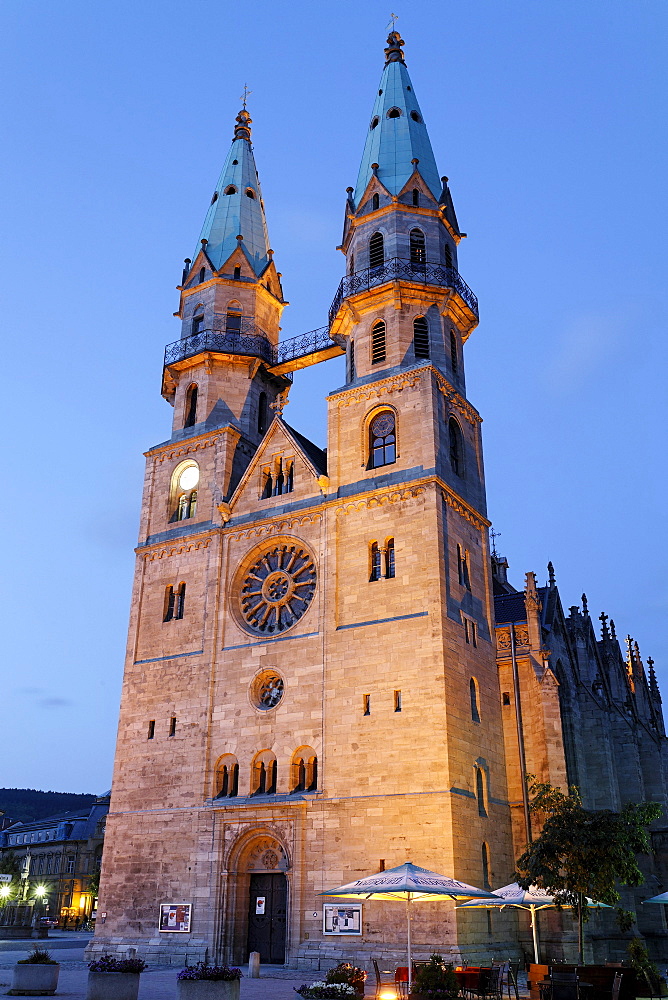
38	956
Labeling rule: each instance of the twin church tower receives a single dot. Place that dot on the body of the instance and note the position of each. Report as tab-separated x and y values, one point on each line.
311	687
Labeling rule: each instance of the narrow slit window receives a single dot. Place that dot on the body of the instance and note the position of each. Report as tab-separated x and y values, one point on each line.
202	274
191	406
418	249
378	350
454	353
197	324
271	778
463	574
312	774
376	250
374	559
351	362
351	268
480	792
421	337
237	272
505	698
485	866
375	202
475	710
456	450
262	413
151	730
397	701
366	704
416	197
233	321
180	607
448	255
299	775
172	726
389	559
268	485
168	612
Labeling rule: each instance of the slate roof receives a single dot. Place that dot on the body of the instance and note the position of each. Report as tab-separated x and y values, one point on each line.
509	608
317	455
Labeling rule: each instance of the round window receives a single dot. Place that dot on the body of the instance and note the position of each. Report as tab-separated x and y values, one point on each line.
189	478
382	425
276	589
267	690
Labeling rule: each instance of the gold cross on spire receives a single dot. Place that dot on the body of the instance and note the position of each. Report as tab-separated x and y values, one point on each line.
393	21
244	97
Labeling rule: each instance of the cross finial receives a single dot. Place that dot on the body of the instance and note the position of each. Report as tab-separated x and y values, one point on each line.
393	21
603	618
244	97
494	536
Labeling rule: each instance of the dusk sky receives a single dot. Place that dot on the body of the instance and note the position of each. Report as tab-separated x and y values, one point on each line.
548	117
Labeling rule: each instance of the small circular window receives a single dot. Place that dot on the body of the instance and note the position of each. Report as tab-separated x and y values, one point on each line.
382	425
189	478
267	690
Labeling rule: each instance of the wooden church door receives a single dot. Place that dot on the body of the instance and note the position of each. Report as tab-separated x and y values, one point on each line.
267	916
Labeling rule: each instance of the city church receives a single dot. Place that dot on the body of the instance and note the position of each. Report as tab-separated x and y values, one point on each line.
328	672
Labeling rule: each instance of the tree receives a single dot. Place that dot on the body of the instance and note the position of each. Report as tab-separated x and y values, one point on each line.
9	865
582	852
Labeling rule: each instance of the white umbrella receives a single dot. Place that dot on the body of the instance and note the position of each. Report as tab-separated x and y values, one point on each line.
531	899
661	898
412	884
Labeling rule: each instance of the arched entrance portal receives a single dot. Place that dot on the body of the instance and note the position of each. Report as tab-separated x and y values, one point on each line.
265	864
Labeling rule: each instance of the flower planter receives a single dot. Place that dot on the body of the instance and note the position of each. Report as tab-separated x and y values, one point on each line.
112	986
34	980
207	989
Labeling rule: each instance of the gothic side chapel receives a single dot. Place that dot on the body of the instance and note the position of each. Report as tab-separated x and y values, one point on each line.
311	682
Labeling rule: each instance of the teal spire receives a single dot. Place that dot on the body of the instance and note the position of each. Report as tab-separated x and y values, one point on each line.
394	142
236	207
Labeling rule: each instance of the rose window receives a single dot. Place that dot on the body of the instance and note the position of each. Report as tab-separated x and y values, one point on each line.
277	589
268	689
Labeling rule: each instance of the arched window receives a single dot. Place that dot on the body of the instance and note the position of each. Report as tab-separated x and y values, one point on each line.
376	250
250	193
202	274
374	122
456	450
463	571
378	352
304	776
374	562
227	777
168	612
421	337
486	884
214	197
448	255
473	691
375	202
233	318
480	791
262	413
416	197
180	602
389	559
267	484
454	353
184	490
415	116
382	440
197	322
417	247
237	272
312	774
263	774
230	189
394	113
191	406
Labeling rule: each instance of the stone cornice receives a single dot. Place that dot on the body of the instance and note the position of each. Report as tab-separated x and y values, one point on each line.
177	449
467	512
379	499
162	551
394	383
456	399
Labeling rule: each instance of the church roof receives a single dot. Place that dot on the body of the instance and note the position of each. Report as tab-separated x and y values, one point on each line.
317	455
394	142
510	608
237	213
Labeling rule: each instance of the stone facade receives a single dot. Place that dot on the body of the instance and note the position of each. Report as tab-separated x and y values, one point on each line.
311	689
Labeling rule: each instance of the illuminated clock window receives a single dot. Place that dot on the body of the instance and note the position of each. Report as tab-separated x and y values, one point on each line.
189	478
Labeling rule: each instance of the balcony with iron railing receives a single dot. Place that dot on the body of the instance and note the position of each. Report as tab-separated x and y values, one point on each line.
403	269
243	337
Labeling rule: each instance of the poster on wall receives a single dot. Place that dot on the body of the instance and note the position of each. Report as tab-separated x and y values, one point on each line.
337	919
175	917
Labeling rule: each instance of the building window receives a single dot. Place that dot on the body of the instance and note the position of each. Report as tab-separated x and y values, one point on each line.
374	122
486	884
202	274
168	613
473	691
56	864
383	440
351	362
351	266
172	726
389	559
470	631
376	250
250	193
375	562
197	324
70	864
397	701
454	353
233	318
230	189
278	479
191	406
262	413
448	255
416	197
417	247
184	482
375	202
40	867
463	572
421	337
237	272
456	450
415	116
180	603
263	774
49	864
151	730
480	792
227	777
366	704
378	352
394	113
304	770
505	698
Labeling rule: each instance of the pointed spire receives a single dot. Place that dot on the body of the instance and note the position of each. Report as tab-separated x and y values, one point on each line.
613	633
236	208
397	134
653	686
585	606
551	580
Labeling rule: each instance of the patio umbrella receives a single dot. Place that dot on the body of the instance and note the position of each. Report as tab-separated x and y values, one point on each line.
412	884
661	898
531	899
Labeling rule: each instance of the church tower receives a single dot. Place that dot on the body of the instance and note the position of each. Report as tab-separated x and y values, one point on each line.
311	689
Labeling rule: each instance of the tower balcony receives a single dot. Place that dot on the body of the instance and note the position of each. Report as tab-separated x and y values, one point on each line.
249	340
403	269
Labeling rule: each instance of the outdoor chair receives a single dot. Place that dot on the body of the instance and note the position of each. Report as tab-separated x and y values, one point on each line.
384	979
489	985
616	986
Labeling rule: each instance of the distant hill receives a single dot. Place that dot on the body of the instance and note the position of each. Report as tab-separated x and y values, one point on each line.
28	804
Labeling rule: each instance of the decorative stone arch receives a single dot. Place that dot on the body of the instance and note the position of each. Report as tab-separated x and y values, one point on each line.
255	851
304	770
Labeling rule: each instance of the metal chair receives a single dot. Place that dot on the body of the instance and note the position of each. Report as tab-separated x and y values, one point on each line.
490	984
383	983
616	986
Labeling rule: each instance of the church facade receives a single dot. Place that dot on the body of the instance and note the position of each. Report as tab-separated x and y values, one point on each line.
316	676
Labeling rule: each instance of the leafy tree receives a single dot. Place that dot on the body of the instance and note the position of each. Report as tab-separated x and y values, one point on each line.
9	865
583	852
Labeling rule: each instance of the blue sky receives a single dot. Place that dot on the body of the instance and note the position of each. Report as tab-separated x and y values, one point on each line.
549	119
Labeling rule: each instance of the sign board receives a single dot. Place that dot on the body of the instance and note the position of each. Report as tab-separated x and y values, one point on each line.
175	918
260	904
6	878
337	919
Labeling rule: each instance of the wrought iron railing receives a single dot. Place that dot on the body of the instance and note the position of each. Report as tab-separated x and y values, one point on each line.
249	340
305	343
403	269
